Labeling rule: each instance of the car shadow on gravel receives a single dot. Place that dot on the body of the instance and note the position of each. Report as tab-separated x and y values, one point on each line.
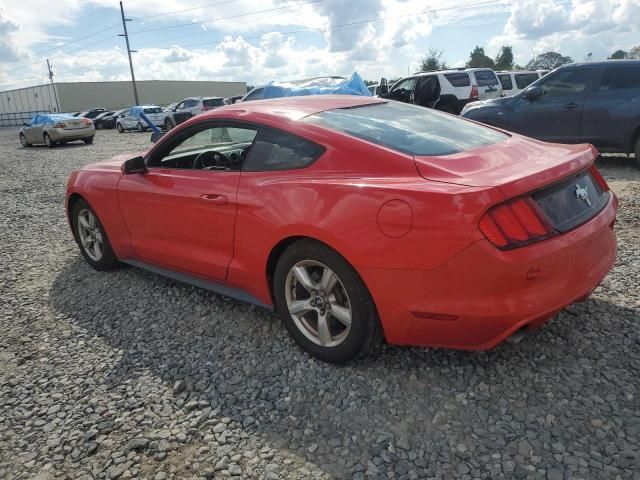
238	359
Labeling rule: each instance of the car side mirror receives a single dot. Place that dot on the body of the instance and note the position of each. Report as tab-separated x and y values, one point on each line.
155	136
533	93
383	88
26	124
134	165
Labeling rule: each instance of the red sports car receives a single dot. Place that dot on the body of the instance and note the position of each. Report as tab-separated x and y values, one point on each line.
358	220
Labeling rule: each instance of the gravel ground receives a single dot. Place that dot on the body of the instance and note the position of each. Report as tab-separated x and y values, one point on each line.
127	374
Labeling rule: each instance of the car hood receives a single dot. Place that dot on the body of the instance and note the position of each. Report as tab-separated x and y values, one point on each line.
501	102
516	166
115	163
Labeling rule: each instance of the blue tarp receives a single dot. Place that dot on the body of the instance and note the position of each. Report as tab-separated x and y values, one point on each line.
351	86
46	119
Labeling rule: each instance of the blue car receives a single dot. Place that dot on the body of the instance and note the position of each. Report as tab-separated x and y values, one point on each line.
597	103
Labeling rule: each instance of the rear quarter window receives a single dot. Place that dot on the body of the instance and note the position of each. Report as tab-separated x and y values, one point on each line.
485	78
505	80
408	128
458	79
153	110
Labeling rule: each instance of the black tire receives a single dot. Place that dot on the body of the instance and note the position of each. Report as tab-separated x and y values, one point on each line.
365	332
140	127
88	140
48	142
108	260
168	124
119	128
637	152
23	141
99	126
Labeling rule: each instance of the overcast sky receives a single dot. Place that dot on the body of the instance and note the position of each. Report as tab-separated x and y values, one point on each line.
257	41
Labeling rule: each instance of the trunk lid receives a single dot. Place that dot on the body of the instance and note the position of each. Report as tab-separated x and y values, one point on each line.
515	166
74	123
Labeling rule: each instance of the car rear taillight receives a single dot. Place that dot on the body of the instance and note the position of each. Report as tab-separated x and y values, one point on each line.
514	224
597	176
87	121
474	93
59	125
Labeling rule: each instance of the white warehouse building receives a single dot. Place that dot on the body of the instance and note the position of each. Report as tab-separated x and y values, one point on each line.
17	106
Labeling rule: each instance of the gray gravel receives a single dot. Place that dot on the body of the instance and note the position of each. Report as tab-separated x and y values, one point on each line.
127	374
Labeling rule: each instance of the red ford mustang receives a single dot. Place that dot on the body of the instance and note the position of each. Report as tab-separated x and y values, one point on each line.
358	220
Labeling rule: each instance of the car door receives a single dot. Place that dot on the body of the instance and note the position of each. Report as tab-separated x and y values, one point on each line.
182	217
35	132
612	110
427	91
556	115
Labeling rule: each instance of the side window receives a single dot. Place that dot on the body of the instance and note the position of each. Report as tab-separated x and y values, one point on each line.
523	80
566	82
206	148
620	78
406	85
458	79
505	80
274	150
485	78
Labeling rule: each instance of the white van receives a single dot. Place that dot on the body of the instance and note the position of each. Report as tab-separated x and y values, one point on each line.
516	81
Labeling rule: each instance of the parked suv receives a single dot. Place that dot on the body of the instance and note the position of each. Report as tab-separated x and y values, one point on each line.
487	81
515	81
594	102
447	90
190	107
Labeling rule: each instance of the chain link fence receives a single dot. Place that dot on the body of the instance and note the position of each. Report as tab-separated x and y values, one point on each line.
16	119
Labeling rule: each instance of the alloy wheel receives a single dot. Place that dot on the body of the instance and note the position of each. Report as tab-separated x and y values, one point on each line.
90	235
318	303
23	140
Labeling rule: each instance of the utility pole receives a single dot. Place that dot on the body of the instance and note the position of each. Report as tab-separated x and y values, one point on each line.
129	52
53	86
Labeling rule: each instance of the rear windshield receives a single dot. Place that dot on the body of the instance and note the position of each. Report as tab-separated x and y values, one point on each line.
458	79
505	80
485	78
153	110
525	79
408	128
213	102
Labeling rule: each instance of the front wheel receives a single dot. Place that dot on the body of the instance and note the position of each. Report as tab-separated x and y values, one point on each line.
119	128
91	237
324	303
23	141
48	142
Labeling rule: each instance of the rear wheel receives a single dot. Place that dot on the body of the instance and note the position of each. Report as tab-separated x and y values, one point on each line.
324	304
168	124
140	127
23	141
91	237
88	140
447	108
48	142
99	126
119	128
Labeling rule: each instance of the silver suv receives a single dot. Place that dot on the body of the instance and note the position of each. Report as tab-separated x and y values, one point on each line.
190	107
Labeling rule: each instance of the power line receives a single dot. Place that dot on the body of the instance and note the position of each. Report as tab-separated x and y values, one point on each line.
168	27
185	10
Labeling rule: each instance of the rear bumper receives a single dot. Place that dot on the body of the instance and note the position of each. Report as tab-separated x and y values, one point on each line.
483	295
59	134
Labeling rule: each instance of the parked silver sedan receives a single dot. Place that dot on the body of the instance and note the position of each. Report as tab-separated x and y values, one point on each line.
52	129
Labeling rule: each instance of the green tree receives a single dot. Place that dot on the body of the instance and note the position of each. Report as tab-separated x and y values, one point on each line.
619	55
504	60
478	59
548	61
635	52
433	61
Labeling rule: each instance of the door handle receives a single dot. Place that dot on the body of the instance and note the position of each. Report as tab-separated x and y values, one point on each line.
214	198
570	106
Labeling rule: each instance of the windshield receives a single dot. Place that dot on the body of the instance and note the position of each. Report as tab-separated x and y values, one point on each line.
213	102
408	128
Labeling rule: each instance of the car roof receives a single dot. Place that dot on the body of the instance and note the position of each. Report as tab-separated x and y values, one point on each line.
605	63
501	72
293	108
